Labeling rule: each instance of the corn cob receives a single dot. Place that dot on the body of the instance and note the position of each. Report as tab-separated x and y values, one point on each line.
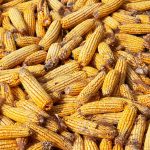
90	46
5	121
35	58
58	84
17	57
6	93
68	135
79	4
56	6
8	145
13	131
145	79
145	57
75	88
40	30
139	6
146	142
143	18
35	90
111	22
105	144
41	145
76	52
43	134
125	127
91	88
100	62
118	147
136	28
80	30
9	42
108	29
105	105
144	99
55	15
27	40
105	1
91	71
110	118
51	35
68	99
110	82
30	21
137	134
89	128
90	144
132	43
64	109
123	18
20	114
2	32
90	2
107	8
62	70
11	79
79	16
11	3
78	143
17	20
7	24
29	105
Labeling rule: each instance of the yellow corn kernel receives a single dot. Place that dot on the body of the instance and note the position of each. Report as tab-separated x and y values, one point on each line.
51	35
11	79
89	2
105	105
126	123
7	94
110	82
76	52
145	79
89	128
144	18
75	88
18	93
139	6
56	6
66	50
90	46
17	57
40	30
29	18
5	121
61	70
58	84
147	138
123	18
20	114
43	134
118	147
27	40
110	118
135	28
55	15
80	30
107	8
111	22
132	43
53	124
35	58
144	99
79	4
91	88
35	90
79	16
105	144
29	105
7	24
78	143
68	135
137	134
17	20
90	144
9	42
13	131
64	109
8	145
